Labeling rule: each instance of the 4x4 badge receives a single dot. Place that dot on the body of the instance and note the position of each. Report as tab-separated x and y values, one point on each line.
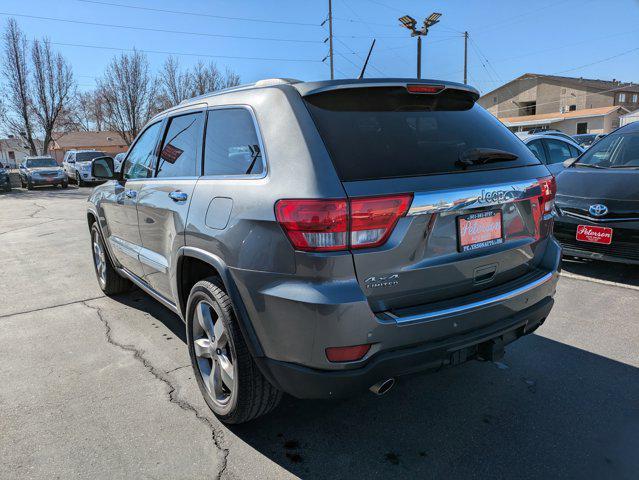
376	281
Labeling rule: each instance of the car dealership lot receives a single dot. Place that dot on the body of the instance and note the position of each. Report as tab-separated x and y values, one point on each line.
95	387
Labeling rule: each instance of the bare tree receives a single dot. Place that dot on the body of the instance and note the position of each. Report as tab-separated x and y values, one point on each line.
205	78
17	94
129	94
53	87
231	79
87	112
176	85
208	78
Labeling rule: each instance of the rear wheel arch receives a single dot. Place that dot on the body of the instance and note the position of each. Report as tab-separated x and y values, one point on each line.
191	266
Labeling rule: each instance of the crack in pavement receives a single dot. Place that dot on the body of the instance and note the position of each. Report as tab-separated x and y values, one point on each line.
39	309
30	226
160	375
39	209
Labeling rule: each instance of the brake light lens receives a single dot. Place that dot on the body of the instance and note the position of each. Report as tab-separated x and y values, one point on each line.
548	191
339	224
424	88
373	219
314	225
347	354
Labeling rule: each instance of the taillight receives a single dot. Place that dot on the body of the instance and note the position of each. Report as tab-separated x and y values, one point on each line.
314	225
548	190
329	225
373	219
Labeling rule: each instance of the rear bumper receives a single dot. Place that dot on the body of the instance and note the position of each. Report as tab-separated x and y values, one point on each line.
38	182
304	382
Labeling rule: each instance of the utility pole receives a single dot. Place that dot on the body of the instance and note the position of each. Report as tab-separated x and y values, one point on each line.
410	23
330	36
465	57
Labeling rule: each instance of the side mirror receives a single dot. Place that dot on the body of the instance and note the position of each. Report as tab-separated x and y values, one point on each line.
102	168
569	162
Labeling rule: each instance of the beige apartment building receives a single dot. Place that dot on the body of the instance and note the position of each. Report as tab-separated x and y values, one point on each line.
572	105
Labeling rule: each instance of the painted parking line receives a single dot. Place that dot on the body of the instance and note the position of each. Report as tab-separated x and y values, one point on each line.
597	280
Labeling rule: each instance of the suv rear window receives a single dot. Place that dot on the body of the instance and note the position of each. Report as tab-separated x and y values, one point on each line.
86	156
387	132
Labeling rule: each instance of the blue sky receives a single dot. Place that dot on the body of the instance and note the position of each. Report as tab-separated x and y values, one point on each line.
508	38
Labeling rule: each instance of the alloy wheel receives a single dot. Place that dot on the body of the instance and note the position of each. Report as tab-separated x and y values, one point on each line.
99	258
215	357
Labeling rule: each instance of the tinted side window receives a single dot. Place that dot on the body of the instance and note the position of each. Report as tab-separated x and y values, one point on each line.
179	156
141	159
558	151
538	149
231	147
574	152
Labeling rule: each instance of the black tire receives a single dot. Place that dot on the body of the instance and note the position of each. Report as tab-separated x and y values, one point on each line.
22	184
29	185
78	180
253	395
111	282
64	184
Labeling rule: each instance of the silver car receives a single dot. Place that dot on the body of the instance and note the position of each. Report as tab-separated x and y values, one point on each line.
552	150
322	238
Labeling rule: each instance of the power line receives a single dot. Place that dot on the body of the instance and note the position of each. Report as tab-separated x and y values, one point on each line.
598	61
147	29
194	14
509	20
185	54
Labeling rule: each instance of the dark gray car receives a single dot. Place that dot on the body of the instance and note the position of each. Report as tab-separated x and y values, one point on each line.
322	238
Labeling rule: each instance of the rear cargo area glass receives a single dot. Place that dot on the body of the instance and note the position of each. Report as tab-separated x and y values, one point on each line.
374	133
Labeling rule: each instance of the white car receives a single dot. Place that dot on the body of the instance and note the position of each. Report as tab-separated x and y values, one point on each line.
552	150
77	165
117	161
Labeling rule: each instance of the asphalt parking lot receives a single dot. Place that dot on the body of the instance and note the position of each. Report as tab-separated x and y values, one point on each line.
96	387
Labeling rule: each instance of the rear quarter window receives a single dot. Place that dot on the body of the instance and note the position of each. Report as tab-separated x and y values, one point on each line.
374	133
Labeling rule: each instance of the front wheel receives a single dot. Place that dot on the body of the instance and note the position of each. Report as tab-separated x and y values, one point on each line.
226	373
29	185
78	180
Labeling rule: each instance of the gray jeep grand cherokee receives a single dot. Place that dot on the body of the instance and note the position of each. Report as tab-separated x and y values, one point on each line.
321	238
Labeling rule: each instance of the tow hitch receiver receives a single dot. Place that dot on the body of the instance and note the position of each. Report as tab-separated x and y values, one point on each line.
492	350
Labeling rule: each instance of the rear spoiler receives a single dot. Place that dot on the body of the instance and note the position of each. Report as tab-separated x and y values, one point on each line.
313	88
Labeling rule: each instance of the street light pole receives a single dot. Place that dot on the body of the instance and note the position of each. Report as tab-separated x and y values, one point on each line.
410	23
419	57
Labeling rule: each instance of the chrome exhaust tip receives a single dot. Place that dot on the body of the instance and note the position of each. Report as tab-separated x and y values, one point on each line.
380	388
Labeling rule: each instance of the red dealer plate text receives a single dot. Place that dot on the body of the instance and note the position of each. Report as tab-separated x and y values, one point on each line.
592	234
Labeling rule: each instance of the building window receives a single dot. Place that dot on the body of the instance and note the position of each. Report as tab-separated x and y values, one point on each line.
622	97
582	127
634	98
572	108
494	99
12	155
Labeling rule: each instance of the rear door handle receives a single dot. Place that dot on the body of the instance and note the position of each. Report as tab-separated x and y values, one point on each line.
178	196
131	193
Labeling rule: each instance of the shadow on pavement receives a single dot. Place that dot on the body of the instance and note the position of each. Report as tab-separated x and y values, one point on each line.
609	271
548	411
556	412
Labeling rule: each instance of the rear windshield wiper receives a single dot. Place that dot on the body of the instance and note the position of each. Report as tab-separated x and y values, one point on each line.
588	165
481	156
